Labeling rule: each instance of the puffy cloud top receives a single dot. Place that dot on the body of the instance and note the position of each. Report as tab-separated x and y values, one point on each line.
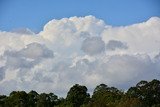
86	51
141	38
68	29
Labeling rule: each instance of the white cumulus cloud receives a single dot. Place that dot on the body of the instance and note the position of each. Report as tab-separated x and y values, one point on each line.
81	50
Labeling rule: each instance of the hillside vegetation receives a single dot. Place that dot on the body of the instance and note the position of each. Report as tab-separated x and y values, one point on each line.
144	94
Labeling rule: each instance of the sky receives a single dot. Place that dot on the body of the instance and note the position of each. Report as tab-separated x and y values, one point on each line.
37	13
57	44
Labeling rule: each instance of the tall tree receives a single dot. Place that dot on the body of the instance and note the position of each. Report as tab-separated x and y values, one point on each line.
77	96
32	98
2	100
17	99
104	96
43	100
148	92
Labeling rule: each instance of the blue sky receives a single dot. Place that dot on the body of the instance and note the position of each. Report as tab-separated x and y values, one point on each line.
34	14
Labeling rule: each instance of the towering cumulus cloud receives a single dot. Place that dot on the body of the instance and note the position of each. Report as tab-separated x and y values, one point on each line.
81	50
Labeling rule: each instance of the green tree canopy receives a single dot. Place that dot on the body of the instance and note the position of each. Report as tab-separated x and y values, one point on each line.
17	99
148	92
77	95
104	96
32	98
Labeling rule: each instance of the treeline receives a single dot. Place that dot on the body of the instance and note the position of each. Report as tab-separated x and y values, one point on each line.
144	94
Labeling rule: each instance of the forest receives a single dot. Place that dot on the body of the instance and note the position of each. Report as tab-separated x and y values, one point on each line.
143	94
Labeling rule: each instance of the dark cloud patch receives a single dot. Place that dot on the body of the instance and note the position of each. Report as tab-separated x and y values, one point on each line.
36	50
157	57
32	51
84	34
41	78
93	45
114	44
2	73
27	57
18	62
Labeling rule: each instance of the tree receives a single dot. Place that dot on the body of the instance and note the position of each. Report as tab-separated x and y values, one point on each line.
104	96
43	100
148	92
77	96
53	99
17	99
130	102
2	100
144	94
32	98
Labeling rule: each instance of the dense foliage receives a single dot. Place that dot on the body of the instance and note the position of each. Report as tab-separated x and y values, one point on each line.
144	94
